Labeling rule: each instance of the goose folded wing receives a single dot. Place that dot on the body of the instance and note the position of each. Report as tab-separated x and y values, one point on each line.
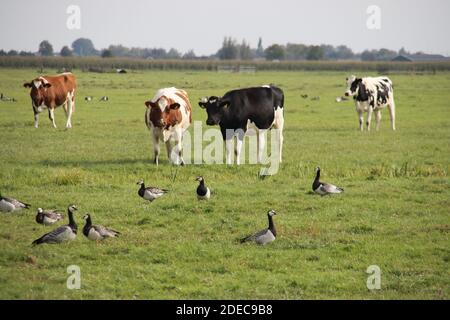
254	236
59	234
156	190
105	232
329	188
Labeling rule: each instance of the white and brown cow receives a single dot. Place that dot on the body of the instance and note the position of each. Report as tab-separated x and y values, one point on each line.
168	116
51	92
371	95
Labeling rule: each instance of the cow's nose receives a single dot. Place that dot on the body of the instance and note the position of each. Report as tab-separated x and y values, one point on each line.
346	94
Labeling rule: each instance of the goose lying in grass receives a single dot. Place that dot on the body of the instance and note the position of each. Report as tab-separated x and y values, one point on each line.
96	232
48	217
324	188
150	193
11	204
61	234
203	192
264	236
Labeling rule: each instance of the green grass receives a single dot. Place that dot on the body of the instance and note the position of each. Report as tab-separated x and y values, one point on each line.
394	212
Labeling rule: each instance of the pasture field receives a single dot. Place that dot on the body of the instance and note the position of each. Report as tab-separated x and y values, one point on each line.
394	212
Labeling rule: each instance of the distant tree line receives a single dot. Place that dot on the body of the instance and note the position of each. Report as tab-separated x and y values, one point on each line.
230	50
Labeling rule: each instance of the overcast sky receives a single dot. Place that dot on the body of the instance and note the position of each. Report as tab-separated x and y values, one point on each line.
417	25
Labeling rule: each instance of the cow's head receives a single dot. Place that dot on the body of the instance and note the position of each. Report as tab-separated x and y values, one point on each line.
352	85
38	87
164	113
215	107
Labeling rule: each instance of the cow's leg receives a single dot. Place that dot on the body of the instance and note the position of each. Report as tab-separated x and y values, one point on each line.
391	108
378	119
156	148
51	116
178	149
369	117
36	117
279	125
70	106
261	144
361	120
240	138
169	150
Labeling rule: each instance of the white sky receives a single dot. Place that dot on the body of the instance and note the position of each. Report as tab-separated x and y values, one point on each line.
417	25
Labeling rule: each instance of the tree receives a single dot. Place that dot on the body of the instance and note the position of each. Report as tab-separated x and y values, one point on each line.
45	48
83	47
106	53
189	55
367	55
173	54
296	51
315	53
274	52
260	50
344	53
12	53
65	52
229	50
245	53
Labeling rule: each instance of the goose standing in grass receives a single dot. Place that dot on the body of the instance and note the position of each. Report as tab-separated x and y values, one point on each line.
10	204
324	188
264	236
48	217
203	192
96	232
61	234
150	193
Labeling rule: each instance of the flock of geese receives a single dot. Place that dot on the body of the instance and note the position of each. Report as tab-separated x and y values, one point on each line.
68	232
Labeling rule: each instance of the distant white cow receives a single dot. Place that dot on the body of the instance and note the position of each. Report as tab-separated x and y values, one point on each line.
371	95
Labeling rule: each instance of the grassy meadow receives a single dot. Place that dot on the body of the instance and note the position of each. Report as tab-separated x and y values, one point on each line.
394	212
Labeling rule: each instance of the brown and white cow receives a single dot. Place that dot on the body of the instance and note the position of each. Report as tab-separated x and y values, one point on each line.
168	116
51	92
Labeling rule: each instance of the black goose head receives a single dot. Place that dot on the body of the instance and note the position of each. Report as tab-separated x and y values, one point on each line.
71	210
200	179
272	228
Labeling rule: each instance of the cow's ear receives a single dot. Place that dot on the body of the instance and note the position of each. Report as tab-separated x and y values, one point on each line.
202	104
150	104
27	84
224	103
175	106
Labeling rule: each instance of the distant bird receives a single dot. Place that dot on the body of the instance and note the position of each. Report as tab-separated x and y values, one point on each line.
264	236
48	217
11	204
203	192
304	96
88	98
323	188
96	232
150	193
104	98
340	99
61	234
316	98
6	99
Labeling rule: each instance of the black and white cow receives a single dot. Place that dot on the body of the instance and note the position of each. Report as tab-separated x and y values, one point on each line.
260	108
371	95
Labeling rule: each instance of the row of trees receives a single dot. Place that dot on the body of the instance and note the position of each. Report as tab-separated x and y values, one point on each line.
230	50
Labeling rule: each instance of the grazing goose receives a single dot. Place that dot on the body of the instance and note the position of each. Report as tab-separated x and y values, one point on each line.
10	204
48	217
96	233
203	192
323	188
264	236
150	193
64	233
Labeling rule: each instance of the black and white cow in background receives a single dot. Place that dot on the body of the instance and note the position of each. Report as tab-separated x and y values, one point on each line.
258	107
371	95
